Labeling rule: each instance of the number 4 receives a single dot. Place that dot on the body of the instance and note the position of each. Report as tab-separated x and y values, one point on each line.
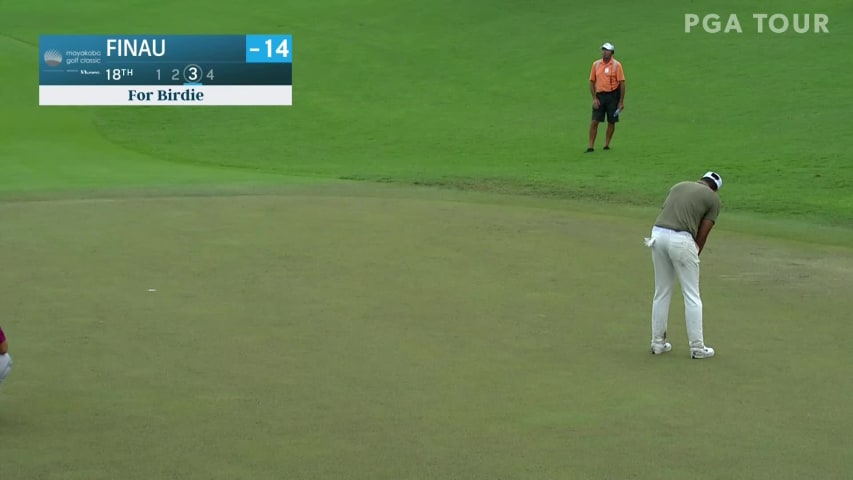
281	49
210	74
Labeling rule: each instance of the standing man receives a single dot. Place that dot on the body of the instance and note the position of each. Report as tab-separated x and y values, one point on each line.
678	237
5	359
607	86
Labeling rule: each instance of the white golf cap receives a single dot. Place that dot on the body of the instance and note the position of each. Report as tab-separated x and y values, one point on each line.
717	179
608	46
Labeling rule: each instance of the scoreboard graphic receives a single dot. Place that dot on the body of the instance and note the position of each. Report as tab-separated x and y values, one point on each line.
148	70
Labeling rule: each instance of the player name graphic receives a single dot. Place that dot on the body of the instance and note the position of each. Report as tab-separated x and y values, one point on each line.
162	69
134	47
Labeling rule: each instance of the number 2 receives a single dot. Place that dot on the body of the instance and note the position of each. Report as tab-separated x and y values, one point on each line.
176	74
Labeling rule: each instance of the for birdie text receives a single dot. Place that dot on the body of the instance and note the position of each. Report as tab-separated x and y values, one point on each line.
165	95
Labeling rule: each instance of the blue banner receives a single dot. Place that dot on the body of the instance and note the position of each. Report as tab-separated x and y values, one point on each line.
165	59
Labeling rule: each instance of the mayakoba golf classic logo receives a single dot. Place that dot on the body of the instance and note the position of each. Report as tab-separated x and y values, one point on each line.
53	57
758	23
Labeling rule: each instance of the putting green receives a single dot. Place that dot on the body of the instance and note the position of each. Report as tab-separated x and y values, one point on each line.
362	331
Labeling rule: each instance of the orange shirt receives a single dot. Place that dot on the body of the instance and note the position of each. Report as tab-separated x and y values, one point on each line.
606	75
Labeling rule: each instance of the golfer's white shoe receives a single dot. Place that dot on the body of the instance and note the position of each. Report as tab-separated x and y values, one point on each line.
659	348
704	352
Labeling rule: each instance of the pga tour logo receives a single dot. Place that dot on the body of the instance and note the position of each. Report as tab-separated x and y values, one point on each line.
775	22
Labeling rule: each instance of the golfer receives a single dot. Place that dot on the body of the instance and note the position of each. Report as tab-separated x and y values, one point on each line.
678	237
5	358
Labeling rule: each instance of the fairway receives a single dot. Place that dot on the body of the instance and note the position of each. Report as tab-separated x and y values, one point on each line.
414	271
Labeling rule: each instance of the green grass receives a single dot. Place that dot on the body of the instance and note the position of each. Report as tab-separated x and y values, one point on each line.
322	311
475	95
413	338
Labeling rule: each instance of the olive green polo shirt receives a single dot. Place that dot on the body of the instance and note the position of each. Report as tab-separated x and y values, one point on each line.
687	204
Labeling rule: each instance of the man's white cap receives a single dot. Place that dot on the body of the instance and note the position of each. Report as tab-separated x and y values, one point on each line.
716	178
608	46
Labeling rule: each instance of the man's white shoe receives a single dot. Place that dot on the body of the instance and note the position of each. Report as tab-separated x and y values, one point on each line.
659	348
704	352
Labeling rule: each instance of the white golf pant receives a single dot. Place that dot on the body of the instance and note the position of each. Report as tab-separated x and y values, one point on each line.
5	366
676	255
